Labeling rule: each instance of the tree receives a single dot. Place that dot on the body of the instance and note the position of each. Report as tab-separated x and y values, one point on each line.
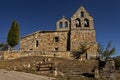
82	50
3	47
13	35
106	52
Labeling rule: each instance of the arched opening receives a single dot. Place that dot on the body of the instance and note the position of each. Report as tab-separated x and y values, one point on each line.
66	24
82	14
86	23
78	22
60	24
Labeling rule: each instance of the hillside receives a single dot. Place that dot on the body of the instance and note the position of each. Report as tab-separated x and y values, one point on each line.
65	68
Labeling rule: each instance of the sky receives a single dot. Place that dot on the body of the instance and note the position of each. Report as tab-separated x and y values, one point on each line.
34	15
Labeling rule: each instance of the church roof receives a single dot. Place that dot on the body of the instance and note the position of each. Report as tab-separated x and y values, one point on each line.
50	31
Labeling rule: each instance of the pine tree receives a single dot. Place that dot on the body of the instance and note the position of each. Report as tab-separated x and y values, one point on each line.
13	35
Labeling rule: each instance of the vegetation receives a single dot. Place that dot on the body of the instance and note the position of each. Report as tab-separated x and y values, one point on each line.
117	62
3	47
106	52
83	50
13	35
64	68
72	78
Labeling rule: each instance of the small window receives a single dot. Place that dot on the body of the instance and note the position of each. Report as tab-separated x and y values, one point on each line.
86	23
60	24
31	49
81	14
78	22
56	39
37	43
56	49
66	24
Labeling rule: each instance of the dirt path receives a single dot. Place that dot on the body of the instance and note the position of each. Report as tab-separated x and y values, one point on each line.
13	75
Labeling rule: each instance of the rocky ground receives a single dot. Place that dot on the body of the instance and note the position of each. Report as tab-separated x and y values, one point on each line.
66	69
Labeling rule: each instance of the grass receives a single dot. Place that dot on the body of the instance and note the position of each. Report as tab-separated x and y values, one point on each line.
63	65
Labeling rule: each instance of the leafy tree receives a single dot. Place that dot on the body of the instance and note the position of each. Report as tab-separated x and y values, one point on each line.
13	35
100	50
106	52
3	47
1	44
83	50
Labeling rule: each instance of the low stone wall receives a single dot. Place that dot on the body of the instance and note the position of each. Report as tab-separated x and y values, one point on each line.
108	71
8	55
1	55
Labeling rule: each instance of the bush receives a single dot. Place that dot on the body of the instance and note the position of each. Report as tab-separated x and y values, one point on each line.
76	54
117	64
101	64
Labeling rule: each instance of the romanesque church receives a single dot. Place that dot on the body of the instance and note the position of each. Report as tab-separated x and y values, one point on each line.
68	36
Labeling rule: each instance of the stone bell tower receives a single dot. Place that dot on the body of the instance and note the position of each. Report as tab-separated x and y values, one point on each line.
82	20
83	32
63	24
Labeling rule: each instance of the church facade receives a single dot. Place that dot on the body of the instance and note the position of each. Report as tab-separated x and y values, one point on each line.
68	36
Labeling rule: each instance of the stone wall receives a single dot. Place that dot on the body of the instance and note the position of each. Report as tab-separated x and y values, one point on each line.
88	37
79	17
63	24
83	32
46	41
1	55
8	55
108	71
82	36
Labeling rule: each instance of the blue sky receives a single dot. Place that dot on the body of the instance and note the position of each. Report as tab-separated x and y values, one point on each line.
34	15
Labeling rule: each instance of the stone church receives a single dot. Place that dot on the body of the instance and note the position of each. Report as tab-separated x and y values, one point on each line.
68	36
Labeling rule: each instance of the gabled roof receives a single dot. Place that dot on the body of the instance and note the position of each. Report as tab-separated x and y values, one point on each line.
41	32
63	18
80	10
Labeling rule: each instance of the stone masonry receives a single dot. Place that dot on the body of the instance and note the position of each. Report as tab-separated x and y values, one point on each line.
69	34
45	41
